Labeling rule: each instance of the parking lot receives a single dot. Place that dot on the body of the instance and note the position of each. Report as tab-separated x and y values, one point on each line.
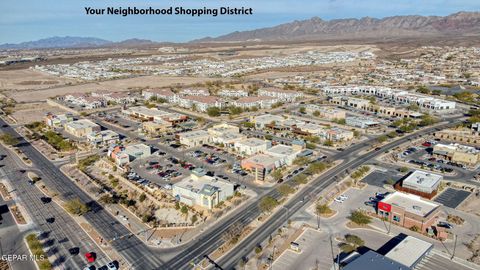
120	120
160	169
380	178
452	197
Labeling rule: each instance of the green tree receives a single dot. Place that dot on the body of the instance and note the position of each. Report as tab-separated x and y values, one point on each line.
322	209
142	197
8	139
285	189
328	143
213	111
316	113
277	174
300	179
302	110
184	210
267	204
382	138
359	217
76	207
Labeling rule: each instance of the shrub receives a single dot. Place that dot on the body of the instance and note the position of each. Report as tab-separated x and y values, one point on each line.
76	207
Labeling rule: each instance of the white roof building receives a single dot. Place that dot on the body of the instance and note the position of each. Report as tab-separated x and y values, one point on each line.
422	181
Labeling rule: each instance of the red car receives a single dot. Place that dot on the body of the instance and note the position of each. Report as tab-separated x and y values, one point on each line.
427	144
90	256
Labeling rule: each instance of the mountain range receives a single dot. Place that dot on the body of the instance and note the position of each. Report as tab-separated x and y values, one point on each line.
75	42
457	24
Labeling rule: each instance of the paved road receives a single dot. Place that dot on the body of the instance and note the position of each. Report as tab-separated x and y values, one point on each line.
302	198
11	241
132	249
63	228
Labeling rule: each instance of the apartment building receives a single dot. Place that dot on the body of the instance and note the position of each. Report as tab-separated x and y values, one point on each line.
81	128
281	95
409	210
200	103
104	137
233	93
262	102
198	189
57	121
195	92
165	94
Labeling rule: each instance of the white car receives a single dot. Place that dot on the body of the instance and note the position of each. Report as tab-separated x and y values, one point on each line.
339	200
112	266
343	197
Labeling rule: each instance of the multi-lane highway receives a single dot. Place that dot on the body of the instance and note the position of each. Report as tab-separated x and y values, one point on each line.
141	256
132	249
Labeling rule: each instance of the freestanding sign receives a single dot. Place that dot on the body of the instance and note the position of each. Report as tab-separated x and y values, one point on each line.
384	207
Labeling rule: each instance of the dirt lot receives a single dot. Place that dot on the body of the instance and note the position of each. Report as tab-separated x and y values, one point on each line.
31	112
29	79
113	85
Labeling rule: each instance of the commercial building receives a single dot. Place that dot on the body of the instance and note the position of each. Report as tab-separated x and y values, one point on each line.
266	119
420	183
286	154
361	122
81	128
261	165
409	210
201	190
153	114
410	251
156	127
194	138
104	137
251	146
457	153
124	155
223	128
460	135
372	260
328	113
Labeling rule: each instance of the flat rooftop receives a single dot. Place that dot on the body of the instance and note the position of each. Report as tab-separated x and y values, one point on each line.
82	123
194	134
197	184
409	251
281	150
262	159
374	261
411	203
252	142
422	179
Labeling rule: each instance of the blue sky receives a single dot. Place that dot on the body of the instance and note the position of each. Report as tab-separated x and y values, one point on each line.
25	20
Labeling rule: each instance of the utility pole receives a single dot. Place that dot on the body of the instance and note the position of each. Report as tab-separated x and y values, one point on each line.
454	247
333	255
272	258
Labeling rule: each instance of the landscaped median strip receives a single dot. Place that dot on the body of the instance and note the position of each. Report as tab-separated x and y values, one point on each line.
37	252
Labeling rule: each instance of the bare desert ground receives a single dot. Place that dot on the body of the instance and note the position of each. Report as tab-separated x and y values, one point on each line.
24	79
113	85
31	112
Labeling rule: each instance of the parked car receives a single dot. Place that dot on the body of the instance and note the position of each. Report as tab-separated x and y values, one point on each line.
112	265
91	257
91	267
371	203
445	225
339	200
343	197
